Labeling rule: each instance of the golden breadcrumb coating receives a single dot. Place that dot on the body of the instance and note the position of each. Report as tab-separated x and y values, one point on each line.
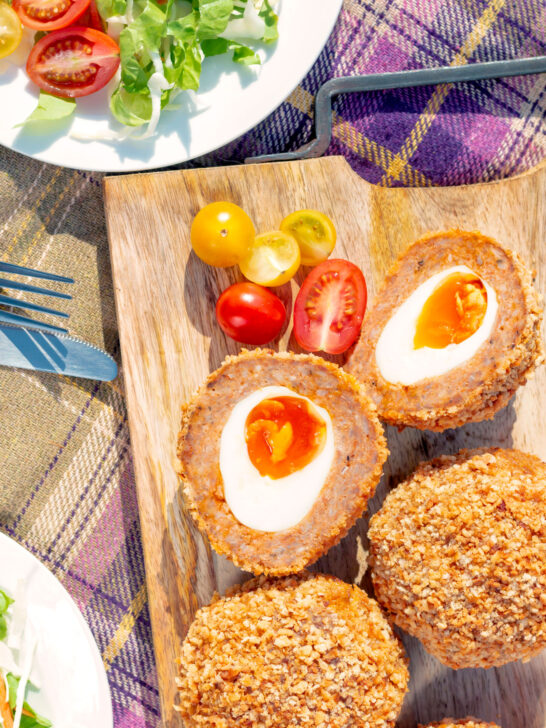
458	556
360	451
476	389
452	723
297	651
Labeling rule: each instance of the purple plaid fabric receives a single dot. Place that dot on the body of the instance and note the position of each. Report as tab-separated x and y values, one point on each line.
74	504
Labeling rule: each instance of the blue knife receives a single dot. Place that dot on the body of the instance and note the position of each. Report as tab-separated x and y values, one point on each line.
47	352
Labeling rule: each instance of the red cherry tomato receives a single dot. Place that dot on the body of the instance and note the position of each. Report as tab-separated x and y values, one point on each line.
330	306
73	62
250	314
49	14
91	18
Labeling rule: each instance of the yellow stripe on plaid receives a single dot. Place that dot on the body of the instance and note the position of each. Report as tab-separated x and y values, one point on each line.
125	628
359	143
28	218
48	219
396	169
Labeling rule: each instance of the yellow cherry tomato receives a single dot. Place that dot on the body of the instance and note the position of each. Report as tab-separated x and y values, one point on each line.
11	30
221	234
315	233
272	260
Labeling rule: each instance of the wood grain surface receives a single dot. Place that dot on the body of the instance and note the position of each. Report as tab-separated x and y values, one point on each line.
170	342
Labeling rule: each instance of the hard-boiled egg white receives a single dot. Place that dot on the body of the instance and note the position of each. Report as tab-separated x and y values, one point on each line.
260	502
399	362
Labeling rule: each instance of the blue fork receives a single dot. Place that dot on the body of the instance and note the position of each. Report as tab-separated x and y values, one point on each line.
15	319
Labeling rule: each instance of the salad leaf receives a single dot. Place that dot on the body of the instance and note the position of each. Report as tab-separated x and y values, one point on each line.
146	31
185	67
5	602
51	108
111	8
214	16
241	53
29	718
270	18
184	29
131	109
163	48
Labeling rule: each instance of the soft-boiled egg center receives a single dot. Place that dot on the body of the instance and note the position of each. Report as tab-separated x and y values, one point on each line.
283	434
276	451
441	325
452	313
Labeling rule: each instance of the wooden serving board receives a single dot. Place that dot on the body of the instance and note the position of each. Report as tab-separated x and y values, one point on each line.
170	342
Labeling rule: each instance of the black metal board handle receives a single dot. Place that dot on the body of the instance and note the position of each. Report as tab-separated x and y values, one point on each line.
398	79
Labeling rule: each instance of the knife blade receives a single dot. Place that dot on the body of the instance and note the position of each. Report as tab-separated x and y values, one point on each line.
56	353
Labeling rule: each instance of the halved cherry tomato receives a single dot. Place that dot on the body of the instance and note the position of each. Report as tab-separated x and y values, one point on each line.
11	31
315	233
250	314
330	306
221	234
272	259
49	14
91	18
73	62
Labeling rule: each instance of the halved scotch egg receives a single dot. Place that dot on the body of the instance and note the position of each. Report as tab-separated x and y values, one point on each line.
452	333
279	454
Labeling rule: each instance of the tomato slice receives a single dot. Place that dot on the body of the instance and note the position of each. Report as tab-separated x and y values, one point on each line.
330	306
250	314
272	259
49	14
91	18
315	233
73	62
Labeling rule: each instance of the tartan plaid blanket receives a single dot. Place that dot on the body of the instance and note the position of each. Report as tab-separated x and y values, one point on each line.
67	486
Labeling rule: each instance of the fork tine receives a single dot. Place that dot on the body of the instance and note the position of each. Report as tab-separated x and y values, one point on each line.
6	283
13	318
8	301
12	268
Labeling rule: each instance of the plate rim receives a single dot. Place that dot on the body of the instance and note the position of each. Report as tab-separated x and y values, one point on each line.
132	165
10	542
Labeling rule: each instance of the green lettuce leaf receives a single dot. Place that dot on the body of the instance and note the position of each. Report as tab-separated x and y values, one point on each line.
33	720
50	108
5	602
145	32
241	53
109	8
214	16
184	29
131	109
270	18
185	67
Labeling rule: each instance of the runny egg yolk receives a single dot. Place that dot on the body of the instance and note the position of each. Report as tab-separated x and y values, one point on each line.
452	313
283	435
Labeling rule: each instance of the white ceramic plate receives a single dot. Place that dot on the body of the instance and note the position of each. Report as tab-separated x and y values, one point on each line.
73	691
231	101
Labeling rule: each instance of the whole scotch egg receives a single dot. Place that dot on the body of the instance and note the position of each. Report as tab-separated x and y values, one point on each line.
278	456
452	333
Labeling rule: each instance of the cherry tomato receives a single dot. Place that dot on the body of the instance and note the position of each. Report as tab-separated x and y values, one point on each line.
221	234
273	259
315	233
91	18
73	62
49	14
330	306
11	31
250	314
